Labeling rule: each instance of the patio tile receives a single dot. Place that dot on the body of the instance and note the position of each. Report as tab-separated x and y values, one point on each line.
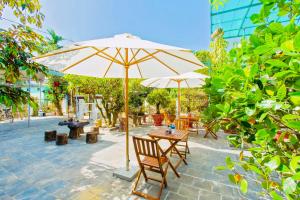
189	192
203	184
33	169
205	195
173	196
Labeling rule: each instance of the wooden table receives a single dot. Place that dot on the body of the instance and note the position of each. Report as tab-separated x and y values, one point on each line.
190	119
76	128
173	138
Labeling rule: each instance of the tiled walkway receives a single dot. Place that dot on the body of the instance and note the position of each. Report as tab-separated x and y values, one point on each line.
33	169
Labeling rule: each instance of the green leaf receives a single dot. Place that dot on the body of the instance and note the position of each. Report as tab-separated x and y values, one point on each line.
295	98
276	27
294	163
262	117
288	45
297	41
273	163
229	163
263	49
244	186
275	196
231	178
261	134
281	93
255	169
220	168
289	185
276	63
292	121
296	176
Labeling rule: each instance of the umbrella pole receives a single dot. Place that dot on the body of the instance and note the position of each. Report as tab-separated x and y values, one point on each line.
126	111
178	96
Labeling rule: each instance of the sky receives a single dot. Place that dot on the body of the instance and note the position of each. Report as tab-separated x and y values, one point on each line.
175	22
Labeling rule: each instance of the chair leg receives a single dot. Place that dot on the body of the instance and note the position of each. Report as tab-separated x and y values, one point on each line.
187	148
137	181
174	170
144	174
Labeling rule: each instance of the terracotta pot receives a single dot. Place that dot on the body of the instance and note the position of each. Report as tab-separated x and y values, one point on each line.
158	118
171	118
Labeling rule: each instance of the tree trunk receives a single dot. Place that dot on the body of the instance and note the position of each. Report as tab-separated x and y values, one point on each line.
58	107
157	109
115	118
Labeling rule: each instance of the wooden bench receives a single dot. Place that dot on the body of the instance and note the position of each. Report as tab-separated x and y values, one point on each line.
61	139
91	138
50	135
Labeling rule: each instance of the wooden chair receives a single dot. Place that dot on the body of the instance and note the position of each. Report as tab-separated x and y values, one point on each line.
148	155
183	147
209	129
195	125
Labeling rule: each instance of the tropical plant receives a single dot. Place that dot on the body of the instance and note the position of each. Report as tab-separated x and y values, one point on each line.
16	47
57	91
257	91
17	44
159	98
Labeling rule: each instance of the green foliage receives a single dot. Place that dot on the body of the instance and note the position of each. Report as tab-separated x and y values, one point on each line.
57	91
16	47
159	98
15	97
193	100
257	91
137	96
28	11
111	91
171	107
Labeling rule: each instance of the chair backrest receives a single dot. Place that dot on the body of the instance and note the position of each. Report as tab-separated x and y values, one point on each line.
146	147
181	124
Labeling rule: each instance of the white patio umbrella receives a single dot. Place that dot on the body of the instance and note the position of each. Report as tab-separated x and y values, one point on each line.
186	80
122	56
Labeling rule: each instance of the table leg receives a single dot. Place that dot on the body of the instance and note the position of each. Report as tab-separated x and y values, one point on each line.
164	153
181	158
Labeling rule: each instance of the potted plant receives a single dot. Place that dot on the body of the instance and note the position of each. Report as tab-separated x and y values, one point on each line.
171	111
159	98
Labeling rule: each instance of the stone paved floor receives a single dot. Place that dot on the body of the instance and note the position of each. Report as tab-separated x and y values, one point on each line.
33	169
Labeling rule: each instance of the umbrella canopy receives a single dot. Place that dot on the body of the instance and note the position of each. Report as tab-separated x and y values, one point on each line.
107	58
186	80
122	56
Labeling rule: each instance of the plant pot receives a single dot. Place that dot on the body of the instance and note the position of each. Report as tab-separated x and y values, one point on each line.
158	118
171	118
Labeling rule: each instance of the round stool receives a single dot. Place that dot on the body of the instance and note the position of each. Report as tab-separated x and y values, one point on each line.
95	129
91	138
61	139
50	135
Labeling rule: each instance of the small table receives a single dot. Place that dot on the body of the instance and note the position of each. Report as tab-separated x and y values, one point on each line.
76	128
173	138
190	119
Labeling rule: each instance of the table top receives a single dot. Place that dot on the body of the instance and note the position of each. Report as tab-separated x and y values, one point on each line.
73	124
161	134
190	117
